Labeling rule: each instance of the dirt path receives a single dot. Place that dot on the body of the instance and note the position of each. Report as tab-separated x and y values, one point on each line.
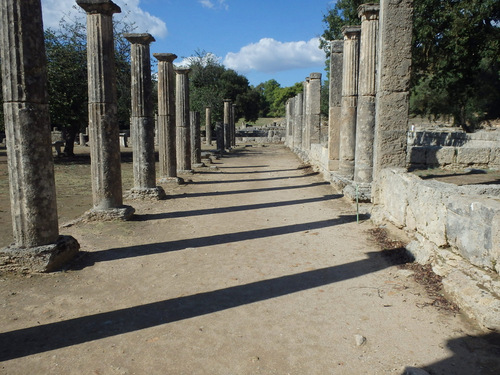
254	268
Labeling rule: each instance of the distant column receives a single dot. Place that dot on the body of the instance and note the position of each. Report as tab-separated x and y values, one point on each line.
182	122
305	115
208	125
103	124
195	140
37	244
393	84
365	123
233	125
166	118
314	105
335	99
142	120
288	122
219	134
349	101
227	123
297	124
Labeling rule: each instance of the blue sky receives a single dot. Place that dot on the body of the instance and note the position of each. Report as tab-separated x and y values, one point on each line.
261	39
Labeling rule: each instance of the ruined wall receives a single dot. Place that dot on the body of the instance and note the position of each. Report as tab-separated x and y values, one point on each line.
456	229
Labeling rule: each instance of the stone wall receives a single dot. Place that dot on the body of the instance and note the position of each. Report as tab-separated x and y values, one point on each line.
453	149
456	229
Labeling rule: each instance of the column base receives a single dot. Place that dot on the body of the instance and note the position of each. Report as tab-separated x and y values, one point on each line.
198	165
122	213
156	193
364	192
206	161
185	171
45	258
171	181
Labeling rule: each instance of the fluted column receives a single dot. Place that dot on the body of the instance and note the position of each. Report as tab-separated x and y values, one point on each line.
233	125
335	100
208	125
195	139
305	114
297	124
227	123
142	120
393	84
182	122
365	123
103	124
37	244
349	101
166	118
314	108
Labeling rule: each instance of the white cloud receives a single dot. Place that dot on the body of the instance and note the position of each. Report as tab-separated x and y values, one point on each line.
55	10
212	4
271	56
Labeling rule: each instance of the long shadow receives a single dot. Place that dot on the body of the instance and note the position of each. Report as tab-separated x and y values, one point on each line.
220	210
247	166
437	175
246	191
255	172
253	180
107	255
471	355
46	337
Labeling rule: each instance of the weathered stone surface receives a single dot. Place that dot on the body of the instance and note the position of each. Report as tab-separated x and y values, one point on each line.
314	108
122	213
298	122
166	117
227	123
147	193
195	139
393	81
335	96
208	125
182	122
471	156
45	258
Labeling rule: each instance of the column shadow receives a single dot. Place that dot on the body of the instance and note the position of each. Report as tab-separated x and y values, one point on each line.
46	337
253	180
220	210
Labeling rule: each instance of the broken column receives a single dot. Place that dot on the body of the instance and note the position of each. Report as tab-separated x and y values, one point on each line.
195	140
37	244
208	125
103	124
314	108
182	122
166	118
335	99
227	123
297	123
365	122
349	101
142	120
393	84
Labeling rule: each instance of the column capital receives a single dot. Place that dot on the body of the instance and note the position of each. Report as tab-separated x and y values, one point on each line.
99	6
314	76
368	12
168	57
351	32
182	70
336	46
227	100
139	38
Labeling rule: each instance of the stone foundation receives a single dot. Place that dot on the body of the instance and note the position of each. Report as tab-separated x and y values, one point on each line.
156	193
45	258
119	213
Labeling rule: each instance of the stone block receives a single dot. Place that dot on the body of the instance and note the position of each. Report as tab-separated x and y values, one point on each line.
472	227
495	158
472	156
416	156
392	194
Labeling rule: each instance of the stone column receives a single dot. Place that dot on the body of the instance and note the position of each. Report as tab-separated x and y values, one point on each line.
166	118
349	101
365	123
335	99
37	244
208	125
297	125
314	108
219	134
103	125
233	125
227	123
288	123
195	140
182	122
393	84
142	120
305	112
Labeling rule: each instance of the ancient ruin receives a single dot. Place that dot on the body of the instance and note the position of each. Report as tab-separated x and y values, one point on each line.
182	122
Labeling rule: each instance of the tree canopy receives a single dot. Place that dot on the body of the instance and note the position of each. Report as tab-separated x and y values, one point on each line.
456	56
